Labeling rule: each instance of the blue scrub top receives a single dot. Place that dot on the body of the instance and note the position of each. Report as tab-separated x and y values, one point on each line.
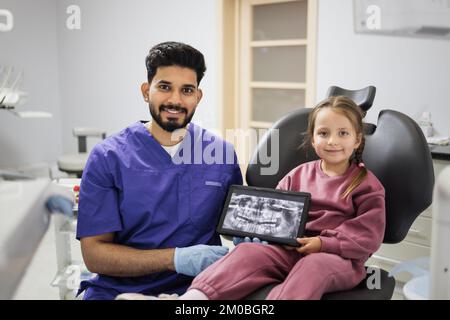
133	188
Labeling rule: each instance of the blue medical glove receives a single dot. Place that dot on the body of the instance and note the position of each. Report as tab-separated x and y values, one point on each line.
238	240
193	260
60	204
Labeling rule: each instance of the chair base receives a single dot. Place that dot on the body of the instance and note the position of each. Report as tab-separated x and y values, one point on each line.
360	292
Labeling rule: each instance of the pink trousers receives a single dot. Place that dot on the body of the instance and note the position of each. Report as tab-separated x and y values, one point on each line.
251	266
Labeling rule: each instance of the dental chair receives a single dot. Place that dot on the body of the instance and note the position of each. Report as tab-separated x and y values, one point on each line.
395	151
73	164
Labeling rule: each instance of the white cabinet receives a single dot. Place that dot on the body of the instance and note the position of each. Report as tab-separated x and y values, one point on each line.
417	243
277	56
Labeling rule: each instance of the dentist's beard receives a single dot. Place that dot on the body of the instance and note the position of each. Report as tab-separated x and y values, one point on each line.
170	125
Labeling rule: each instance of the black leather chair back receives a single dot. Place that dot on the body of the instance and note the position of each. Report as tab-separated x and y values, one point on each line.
398	154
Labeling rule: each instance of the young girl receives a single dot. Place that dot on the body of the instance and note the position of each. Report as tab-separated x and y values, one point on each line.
345	226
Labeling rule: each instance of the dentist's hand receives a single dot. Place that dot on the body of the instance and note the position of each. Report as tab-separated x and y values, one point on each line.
238	240
193	260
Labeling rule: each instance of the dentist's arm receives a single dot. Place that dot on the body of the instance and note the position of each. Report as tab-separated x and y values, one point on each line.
103	256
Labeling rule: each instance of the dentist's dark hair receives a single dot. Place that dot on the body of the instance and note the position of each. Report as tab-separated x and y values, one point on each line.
348	108
175	54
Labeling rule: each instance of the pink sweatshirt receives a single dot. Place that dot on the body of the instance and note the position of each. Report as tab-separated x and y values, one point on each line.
353	227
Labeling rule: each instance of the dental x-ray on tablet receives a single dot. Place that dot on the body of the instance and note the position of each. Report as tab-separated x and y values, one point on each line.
273	215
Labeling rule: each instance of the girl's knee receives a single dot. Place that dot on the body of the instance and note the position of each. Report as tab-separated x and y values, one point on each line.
321	260
252	250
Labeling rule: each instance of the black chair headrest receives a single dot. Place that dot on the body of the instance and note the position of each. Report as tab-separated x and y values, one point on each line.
362	97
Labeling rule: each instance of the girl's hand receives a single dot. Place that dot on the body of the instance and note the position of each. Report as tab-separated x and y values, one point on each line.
308	245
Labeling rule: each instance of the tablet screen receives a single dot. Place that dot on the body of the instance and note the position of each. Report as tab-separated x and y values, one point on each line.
268	214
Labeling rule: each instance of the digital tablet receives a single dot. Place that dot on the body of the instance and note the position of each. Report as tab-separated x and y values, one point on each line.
268	214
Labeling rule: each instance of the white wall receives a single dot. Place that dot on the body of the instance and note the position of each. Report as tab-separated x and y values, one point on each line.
103	65
92	76
411	75
32	46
